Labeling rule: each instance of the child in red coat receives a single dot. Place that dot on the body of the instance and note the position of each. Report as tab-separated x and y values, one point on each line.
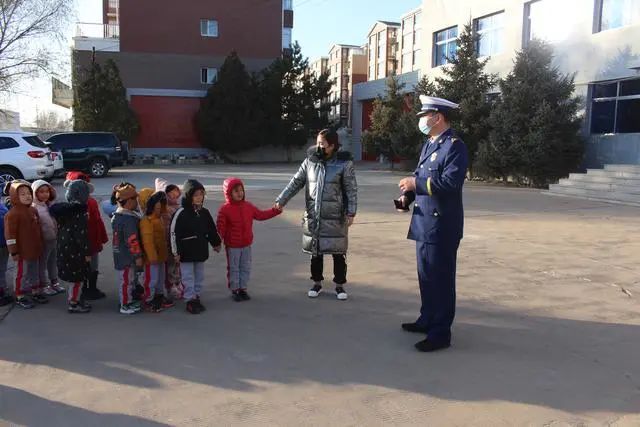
97	239
235	227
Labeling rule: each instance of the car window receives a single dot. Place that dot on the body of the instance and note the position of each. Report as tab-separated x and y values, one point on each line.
103	140
67	141
35	141
6	143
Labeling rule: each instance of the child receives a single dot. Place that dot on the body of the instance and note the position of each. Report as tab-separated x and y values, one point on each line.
73	243
24	243
156	249
127	253
97	238
44	196
172	273
5	298
235	226
191	229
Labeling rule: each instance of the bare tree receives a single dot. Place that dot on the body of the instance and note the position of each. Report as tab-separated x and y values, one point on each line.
28	32
50	120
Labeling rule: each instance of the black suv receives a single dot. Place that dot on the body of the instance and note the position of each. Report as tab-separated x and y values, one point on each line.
93	152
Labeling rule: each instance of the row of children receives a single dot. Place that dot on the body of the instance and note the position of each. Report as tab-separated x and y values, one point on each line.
155	235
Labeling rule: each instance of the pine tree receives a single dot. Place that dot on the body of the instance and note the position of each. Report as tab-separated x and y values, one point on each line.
394	127
226	122
535	136
101	103
466	83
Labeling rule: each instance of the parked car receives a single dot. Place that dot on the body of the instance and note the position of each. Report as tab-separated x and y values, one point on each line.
92	152
58	161
23	156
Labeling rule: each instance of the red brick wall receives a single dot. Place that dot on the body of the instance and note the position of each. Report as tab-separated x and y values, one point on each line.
253	28
166	122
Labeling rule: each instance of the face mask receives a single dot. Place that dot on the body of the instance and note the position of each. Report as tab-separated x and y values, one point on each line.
424	126
321	152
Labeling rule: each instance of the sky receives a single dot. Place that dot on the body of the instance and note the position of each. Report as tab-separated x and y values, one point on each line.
318	24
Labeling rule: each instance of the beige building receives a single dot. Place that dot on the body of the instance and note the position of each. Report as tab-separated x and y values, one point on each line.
383	46
597	40
319	66
410	41
347	66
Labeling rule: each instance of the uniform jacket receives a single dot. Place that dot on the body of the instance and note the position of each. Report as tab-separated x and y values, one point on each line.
235	219
126	238
152	230
73	244
331	195
47	223
192	228
22	227
438	215
3	212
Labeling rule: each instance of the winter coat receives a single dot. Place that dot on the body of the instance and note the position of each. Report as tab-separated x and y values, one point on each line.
235	219
3	212
152	230
331	195
47	223
22	227
97	230
126	238
73	244
193	228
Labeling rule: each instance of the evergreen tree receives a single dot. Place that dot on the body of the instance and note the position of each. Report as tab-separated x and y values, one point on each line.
101	103
226	121
394	126
535	123
466	83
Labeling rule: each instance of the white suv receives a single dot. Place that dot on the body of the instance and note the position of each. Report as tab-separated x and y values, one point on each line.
23	155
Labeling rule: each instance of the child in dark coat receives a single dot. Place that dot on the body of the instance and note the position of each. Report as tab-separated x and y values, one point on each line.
73	244
5	297
192	231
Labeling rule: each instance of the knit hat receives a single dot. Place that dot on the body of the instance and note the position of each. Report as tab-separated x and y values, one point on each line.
41	183
78	192
163	185
73	175
125	192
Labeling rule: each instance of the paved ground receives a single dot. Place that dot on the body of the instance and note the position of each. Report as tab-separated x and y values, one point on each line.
547	331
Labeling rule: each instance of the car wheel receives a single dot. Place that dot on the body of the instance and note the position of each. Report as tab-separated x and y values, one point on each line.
98	168
8	175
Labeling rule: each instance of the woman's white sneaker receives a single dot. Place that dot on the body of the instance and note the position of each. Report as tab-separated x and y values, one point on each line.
315	291
341	294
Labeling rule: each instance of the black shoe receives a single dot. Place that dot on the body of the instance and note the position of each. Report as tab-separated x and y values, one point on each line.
414	327
25	303
235	295
91	292
244	295
78	308
156	304
200	306
40	299
193	307
427	346
5	300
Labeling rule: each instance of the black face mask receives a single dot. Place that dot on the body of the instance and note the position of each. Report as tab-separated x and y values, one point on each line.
321	152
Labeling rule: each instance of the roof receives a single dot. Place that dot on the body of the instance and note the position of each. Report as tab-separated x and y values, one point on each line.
17	132
385	23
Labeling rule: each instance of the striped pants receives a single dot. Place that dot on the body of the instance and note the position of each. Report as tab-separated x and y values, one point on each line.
74	291
26	279
154	275
126	284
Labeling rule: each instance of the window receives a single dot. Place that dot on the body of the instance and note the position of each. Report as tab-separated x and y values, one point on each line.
445	45
407	61
490	29
616	13
416	55
34	141
417	36
550	20
286	38
6	143
208	28
407	41
287	4
208	76
615	107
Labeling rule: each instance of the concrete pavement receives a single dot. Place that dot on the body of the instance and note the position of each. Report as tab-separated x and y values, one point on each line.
547	330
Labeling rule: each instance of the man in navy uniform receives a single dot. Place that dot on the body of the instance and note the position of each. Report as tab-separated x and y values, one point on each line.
437	221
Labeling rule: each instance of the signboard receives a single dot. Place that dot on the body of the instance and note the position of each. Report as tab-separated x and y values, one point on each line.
61	94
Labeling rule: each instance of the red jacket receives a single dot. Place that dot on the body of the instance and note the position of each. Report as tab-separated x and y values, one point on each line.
235	219
97	231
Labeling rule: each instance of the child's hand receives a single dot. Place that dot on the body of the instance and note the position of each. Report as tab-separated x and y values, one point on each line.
15	257
177	259
217	248
138	262
350	220
87	259
278	207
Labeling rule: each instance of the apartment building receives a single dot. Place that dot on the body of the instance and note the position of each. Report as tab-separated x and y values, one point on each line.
347	65
319	66
383	47
169	59
410	41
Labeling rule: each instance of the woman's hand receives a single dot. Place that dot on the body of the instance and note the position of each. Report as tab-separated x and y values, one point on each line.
350	220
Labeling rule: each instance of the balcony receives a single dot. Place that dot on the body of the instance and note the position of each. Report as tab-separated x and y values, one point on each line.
101	37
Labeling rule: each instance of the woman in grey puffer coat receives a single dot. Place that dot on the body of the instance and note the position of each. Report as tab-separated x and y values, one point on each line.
331	198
